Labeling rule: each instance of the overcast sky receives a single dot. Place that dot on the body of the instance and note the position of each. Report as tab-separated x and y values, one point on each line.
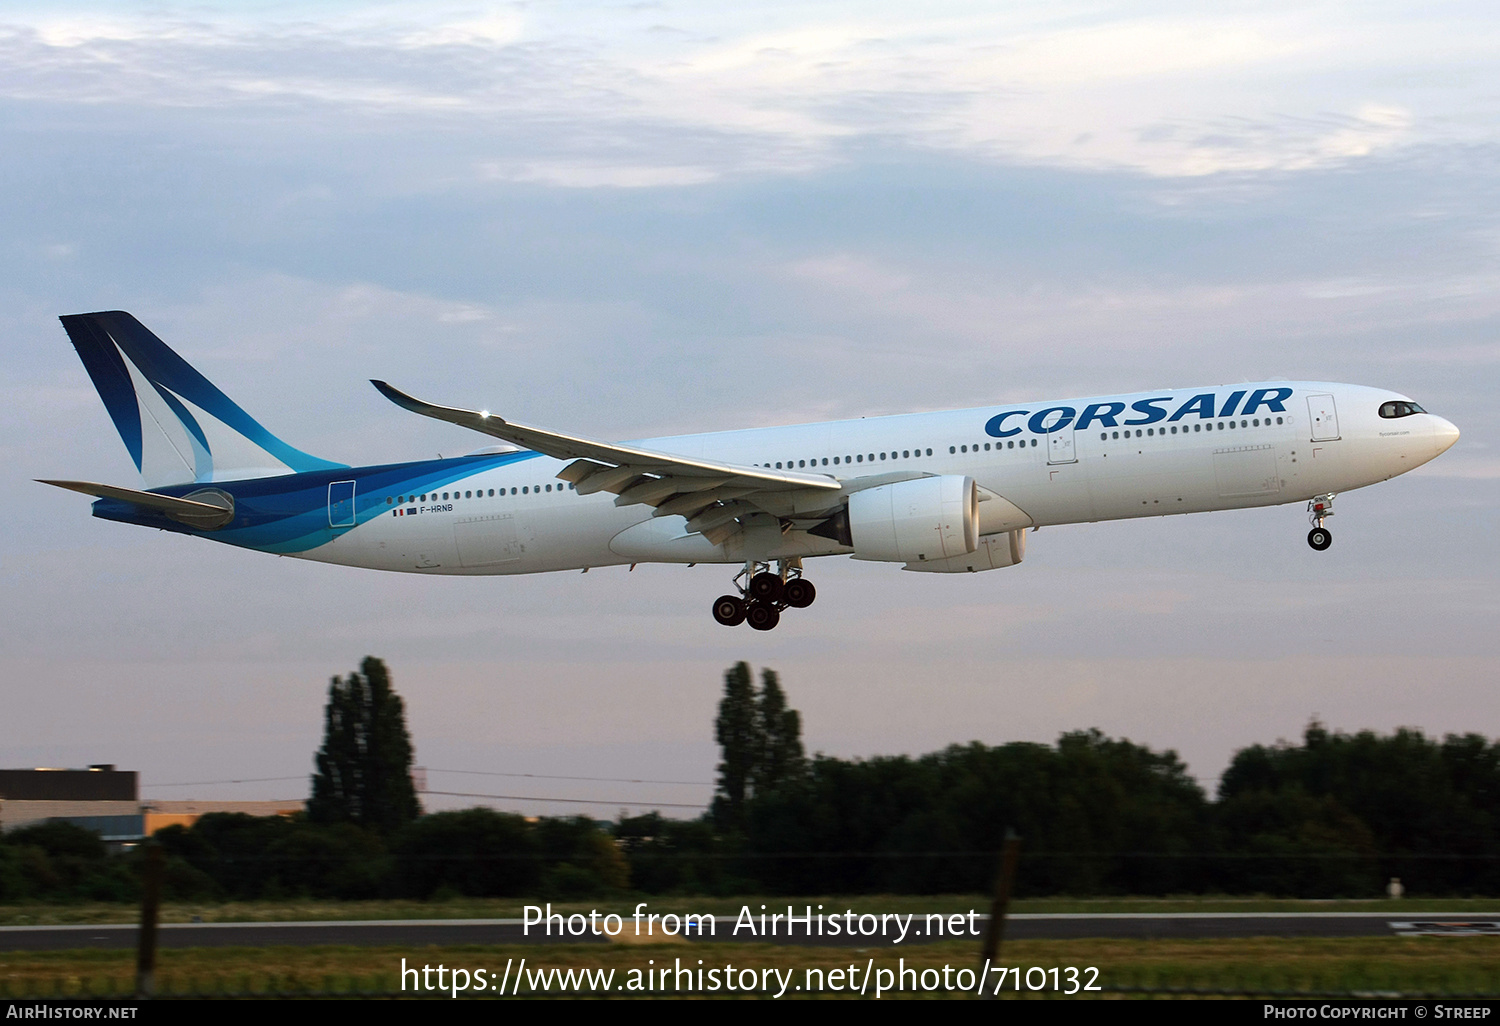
638	219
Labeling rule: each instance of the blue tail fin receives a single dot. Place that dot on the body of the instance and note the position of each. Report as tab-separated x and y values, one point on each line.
178	427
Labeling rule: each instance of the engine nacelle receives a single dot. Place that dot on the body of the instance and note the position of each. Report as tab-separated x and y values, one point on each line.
928	518
994	551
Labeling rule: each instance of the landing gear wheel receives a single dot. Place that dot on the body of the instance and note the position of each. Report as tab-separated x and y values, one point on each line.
762	617
799	593
766	587
1320	538
729	610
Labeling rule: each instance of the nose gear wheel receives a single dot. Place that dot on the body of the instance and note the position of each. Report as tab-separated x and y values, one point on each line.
1320	507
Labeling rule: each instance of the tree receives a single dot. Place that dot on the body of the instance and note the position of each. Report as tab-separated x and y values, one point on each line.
364	766
737	732
780	758
761	742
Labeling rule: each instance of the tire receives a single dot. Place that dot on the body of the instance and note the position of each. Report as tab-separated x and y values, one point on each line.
799	593
766	587
729	610
1320	538
762	617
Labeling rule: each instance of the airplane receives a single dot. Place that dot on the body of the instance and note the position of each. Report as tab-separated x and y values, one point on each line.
946	492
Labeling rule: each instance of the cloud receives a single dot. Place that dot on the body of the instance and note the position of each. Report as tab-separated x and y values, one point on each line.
1164	92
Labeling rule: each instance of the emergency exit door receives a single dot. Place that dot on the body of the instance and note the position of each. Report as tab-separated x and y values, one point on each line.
341	504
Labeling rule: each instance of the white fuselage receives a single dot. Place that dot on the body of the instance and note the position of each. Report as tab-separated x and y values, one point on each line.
1106	458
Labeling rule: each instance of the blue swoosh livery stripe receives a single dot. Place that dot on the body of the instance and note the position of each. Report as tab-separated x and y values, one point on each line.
289	515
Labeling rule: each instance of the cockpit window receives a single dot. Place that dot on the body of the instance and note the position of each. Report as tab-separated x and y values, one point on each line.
1399	409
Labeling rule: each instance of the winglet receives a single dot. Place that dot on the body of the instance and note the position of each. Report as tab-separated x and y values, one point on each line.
482	422
398	397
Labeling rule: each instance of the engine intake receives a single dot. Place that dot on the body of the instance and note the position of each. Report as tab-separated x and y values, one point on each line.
929	518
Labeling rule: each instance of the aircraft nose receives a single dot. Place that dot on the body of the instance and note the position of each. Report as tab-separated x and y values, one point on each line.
1444	434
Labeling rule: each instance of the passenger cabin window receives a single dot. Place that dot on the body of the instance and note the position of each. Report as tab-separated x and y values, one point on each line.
1399	409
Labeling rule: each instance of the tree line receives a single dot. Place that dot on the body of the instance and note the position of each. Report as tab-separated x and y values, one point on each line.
1333	815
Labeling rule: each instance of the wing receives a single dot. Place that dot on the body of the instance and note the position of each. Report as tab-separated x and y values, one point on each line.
712	495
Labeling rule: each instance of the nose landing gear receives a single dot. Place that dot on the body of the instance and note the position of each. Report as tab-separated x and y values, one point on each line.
1319	507
764	595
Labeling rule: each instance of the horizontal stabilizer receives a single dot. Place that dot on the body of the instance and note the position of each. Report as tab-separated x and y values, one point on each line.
217	511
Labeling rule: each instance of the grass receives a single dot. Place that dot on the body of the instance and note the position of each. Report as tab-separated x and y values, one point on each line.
1453	965
499	908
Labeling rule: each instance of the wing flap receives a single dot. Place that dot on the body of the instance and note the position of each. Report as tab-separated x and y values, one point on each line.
613	479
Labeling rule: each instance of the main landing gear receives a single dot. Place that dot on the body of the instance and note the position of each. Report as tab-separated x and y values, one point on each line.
1319	507
764	594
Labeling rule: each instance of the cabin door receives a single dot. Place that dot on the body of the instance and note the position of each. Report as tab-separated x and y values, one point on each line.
1060	445
1324	417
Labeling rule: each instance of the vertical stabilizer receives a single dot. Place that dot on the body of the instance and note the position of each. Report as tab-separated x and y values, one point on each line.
177	426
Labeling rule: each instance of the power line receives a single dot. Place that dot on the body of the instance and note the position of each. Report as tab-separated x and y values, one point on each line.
575	801
435	769
246	780
553	776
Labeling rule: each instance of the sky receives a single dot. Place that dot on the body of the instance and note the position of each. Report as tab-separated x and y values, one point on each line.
631	220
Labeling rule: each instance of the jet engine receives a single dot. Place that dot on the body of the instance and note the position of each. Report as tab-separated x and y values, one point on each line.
929	518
